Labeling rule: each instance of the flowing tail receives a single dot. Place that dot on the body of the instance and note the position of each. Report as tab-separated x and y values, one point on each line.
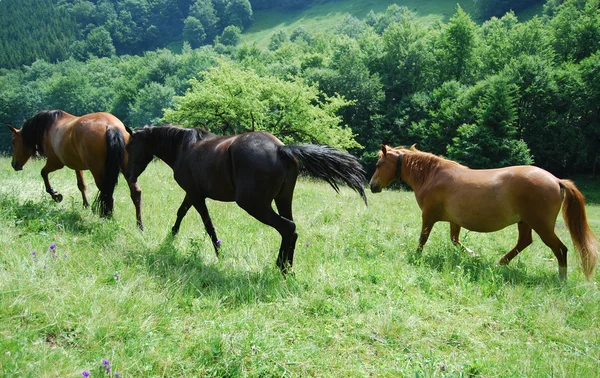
327	163
583	238
115	153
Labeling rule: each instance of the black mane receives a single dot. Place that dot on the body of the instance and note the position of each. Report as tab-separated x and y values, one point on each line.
34	129
170	137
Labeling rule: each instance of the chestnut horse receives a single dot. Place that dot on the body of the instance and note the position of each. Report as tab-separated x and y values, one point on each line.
94	142
489	200
252	169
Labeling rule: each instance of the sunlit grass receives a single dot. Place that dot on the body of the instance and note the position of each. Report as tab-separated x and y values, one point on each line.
362	302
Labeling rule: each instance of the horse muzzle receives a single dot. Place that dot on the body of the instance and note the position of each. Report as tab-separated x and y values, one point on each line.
16	166
375	188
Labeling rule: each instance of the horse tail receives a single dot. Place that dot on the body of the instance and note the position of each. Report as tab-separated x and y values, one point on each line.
115	154
327	163
575	218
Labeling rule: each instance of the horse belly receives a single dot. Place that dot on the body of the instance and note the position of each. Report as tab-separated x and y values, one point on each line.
482	216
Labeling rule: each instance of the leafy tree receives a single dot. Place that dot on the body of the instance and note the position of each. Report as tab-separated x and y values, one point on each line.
193	31
277	39
231	99
99	42
147	107
204	11
231	36
238	13
494	140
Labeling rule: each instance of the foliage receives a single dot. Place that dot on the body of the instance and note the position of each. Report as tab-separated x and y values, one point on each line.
229	99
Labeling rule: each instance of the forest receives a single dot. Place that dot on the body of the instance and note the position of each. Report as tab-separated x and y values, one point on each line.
487	94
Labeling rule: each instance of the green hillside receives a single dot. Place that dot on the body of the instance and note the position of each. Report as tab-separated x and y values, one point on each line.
325	15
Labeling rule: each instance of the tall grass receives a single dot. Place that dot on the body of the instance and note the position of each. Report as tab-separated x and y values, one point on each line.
361	303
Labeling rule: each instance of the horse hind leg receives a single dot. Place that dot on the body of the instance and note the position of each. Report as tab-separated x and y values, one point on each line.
288	247
525	239
286	228
200	206
82	188
558	248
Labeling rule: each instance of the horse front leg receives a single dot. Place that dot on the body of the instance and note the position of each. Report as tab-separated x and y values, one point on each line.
82	188
426	226
136	197
455	237
200	206
51	167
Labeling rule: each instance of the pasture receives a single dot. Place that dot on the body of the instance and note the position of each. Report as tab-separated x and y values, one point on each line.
361	303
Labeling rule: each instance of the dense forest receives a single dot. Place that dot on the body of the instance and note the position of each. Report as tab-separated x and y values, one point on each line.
492	94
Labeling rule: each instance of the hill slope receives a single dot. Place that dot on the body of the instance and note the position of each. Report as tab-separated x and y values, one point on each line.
324	16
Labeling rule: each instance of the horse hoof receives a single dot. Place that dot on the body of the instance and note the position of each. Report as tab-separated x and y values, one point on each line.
57	198
502	262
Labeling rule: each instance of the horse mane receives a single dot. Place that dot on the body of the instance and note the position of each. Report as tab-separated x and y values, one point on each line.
171	137
421	165
34	129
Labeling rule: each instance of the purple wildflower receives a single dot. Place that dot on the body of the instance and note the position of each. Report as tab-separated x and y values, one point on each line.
117	374
54	255
33	253
117	277
52	247
219	242
35	259
65	255
105	362
443	367
307	244
85	373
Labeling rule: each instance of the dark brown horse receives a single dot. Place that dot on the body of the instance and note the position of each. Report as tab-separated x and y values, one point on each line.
489	200
94	142
252	169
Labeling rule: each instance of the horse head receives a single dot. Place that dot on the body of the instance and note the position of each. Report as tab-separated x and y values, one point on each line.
138	153
388	168
21	152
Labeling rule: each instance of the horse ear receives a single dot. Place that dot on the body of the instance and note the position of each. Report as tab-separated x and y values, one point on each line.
413	147
383	149
14	131
128	130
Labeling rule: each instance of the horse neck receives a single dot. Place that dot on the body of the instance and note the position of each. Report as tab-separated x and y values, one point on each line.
166	143
418	168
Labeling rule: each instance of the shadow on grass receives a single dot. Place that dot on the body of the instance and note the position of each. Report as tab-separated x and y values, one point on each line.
216	282
44	216
480	269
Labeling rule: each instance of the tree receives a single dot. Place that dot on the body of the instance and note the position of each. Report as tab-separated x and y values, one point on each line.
204	11
277	39
149	103
457	47
231	36
238	13
99	42
231	99
193	31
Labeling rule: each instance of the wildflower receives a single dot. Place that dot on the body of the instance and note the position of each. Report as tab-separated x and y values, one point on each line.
117	277
219	242
52	247
54	255
33	253
65	255
85	373
443	367
117	374
35	259
307	244
105	362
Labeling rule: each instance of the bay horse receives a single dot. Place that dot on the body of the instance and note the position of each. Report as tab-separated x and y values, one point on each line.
94	142
252	169
488	200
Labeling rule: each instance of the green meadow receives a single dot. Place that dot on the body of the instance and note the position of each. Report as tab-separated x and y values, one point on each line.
361	302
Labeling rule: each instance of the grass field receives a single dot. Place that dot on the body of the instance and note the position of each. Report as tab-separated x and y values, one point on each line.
361	303
325	15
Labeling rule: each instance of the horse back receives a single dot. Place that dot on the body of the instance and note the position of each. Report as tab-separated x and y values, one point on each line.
80	142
